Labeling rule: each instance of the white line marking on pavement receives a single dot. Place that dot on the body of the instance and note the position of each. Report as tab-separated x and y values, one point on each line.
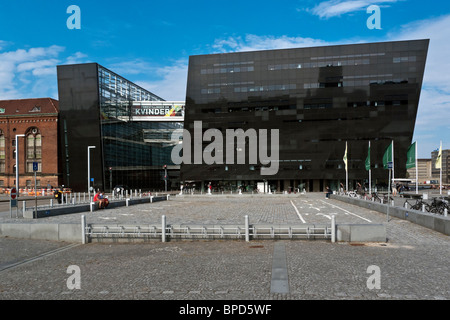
325	215
346	211
298	213
41	256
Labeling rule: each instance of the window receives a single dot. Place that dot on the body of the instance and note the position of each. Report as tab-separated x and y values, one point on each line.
34	149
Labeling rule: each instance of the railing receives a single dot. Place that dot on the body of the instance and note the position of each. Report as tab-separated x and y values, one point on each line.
437	205
245	231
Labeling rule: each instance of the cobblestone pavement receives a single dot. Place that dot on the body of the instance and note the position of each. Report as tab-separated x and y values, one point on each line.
413	264
273	209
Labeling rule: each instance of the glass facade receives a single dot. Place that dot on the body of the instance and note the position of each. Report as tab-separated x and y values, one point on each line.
319	99
129	126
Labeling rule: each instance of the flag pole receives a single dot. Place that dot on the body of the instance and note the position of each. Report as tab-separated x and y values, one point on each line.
393	165
440	171
417	173
370	174
346	166
388	198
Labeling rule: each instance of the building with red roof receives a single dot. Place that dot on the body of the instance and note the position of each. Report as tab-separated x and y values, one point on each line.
34	122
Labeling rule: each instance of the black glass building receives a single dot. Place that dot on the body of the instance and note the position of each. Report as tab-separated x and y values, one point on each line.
318	98
129	127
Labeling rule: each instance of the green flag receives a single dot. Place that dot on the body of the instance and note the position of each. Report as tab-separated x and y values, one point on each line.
411	156
387	156
368	159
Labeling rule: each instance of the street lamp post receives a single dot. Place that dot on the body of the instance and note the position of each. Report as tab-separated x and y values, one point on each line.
89	170
17	162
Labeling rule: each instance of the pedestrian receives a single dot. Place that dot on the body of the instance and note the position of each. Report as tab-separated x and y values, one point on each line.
328	192
359	189
100	200
342	189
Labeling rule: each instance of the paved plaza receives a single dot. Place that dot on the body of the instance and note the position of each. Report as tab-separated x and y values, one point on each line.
412	264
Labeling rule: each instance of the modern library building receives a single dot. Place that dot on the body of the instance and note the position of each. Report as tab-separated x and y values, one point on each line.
113	132
319	99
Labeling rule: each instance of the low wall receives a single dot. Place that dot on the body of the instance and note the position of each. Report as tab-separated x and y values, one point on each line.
53	232
361	233
432	221
72	232
86	207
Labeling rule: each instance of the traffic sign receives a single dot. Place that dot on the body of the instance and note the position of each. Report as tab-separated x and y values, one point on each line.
35	166
13	193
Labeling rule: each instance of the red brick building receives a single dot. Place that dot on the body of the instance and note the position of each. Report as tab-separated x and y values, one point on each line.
37	120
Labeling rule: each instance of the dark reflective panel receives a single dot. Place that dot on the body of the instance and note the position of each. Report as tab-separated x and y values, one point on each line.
132	140
318	98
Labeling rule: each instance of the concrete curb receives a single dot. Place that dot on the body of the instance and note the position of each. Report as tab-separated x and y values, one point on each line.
86	207
431	221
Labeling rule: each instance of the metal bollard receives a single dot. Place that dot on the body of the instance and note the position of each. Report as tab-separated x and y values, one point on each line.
247	230
163	228
127	200
92	206
445	212
51	203
423	208
406	205
333	228
83	229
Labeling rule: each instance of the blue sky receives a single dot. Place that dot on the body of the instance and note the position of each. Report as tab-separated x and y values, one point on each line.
149	42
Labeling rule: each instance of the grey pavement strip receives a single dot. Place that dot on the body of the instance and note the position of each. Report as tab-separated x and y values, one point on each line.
10	265
280	282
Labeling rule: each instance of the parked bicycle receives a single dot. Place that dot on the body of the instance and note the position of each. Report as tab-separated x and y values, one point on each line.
376	197
419	205
352	194
438	206
387	199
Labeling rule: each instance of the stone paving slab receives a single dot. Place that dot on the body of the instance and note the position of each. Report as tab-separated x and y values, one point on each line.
414	263
217	209
231	270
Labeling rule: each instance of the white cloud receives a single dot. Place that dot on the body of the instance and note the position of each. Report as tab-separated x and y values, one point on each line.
438	31
29	73
253	43
131	67
434	107
76	58
172	81
333	8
